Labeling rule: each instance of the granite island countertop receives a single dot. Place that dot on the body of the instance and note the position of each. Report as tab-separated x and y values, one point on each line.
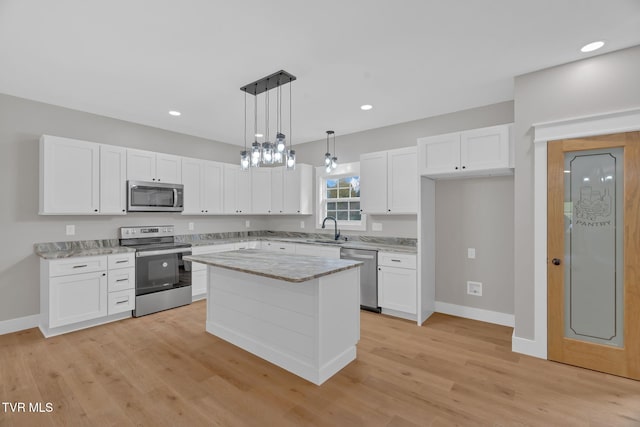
275	265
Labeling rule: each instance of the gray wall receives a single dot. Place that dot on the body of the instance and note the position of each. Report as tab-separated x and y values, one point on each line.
21	124
596	85
349	147
475	213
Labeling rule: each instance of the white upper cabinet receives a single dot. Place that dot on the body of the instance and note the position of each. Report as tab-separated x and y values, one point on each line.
389	182
277	190
261	191
236	190
69	176
150	166
477	152
113	179
203	187
298	191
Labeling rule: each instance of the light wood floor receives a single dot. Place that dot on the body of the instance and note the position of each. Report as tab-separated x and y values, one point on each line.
164	369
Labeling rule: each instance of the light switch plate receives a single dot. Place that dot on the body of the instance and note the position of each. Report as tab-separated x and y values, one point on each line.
471	253
376	226
71	230
301	224
191	226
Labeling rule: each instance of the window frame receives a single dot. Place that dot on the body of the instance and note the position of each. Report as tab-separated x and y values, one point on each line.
341	171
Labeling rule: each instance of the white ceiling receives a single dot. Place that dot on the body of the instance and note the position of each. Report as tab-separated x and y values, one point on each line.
135	60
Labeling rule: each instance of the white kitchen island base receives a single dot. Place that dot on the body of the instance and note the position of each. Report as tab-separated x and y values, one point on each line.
309	328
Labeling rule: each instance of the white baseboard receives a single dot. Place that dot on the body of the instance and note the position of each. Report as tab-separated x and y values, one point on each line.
528	347
19	324
480	314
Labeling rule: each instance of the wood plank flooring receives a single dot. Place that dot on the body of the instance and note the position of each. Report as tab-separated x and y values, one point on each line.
165	370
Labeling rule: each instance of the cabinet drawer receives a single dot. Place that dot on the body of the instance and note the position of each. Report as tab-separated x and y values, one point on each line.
122	301
121	260
64	267
122	279
397	260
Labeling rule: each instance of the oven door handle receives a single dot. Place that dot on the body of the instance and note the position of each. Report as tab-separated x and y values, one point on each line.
175	197
164	252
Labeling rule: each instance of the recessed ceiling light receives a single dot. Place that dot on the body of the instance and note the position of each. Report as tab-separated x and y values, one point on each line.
592	46
366	107
175	113
259	135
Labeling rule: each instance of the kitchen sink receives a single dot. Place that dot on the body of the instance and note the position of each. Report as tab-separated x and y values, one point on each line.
333	242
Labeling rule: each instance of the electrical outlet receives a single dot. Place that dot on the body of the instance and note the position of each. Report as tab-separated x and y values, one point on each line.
301	224
471	253
474	288
376	226
191	226
71	230
247	223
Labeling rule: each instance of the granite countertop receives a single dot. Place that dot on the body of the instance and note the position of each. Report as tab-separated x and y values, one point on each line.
81	248
351	244
275	265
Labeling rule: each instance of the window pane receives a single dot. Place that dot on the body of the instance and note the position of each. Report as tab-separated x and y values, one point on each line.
343	215
354	216
331	206
331	213
345	182
343	205
332	194
343	192
332	183
354	206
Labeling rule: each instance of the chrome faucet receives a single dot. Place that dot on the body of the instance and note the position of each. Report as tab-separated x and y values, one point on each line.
335	223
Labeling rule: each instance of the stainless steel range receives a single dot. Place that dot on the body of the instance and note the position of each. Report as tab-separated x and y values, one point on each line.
163	278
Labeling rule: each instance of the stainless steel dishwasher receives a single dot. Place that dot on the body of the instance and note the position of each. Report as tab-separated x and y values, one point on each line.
368	276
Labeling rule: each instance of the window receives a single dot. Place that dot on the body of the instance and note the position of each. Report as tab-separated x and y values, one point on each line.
339	196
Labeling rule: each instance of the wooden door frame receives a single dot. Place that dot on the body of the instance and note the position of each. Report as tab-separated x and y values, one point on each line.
598	124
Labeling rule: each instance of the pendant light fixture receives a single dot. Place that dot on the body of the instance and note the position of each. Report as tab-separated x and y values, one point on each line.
330	162
269	153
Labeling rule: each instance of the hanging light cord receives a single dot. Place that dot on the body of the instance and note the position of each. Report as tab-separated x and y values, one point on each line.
335	154
266	114
245	120
255	115
290	127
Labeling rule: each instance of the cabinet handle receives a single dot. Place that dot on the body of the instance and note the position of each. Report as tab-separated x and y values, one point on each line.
123	280
95	210
80	266
122	302
153	179
104	274
123	210
464	167
379	269
456	168
121	261
388	210
396	260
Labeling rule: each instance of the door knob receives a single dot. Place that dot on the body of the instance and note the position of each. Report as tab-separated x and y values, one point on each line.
556	261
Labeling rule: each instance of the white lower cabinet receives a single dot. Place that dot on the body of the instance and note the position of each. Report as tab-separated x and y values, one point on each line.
318	250
85	289
199	271
276	246
397	283
77	298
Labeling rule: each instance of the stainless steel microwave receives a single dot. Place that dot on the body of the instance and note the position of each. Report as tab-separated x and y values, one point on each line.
143	196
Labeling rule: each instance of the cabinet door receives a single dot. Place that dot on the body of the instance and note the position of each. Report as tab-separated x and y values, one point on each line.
397	289
486	148
113	180
373	182
168	168
141	165
230	189
212	187
192	172
439	154
244	191
198	283
402	172
69	176
277	190
261	191
77	298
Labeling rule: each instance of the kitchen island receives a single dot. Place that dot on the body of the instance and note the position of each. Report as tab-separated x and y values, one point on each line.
301	313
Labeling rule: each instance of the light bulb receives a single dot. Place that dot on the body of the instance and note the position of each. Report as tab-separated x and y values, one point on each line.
291	159
280	142
328	168
334	162
244	160
255	154
277	156
327	159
